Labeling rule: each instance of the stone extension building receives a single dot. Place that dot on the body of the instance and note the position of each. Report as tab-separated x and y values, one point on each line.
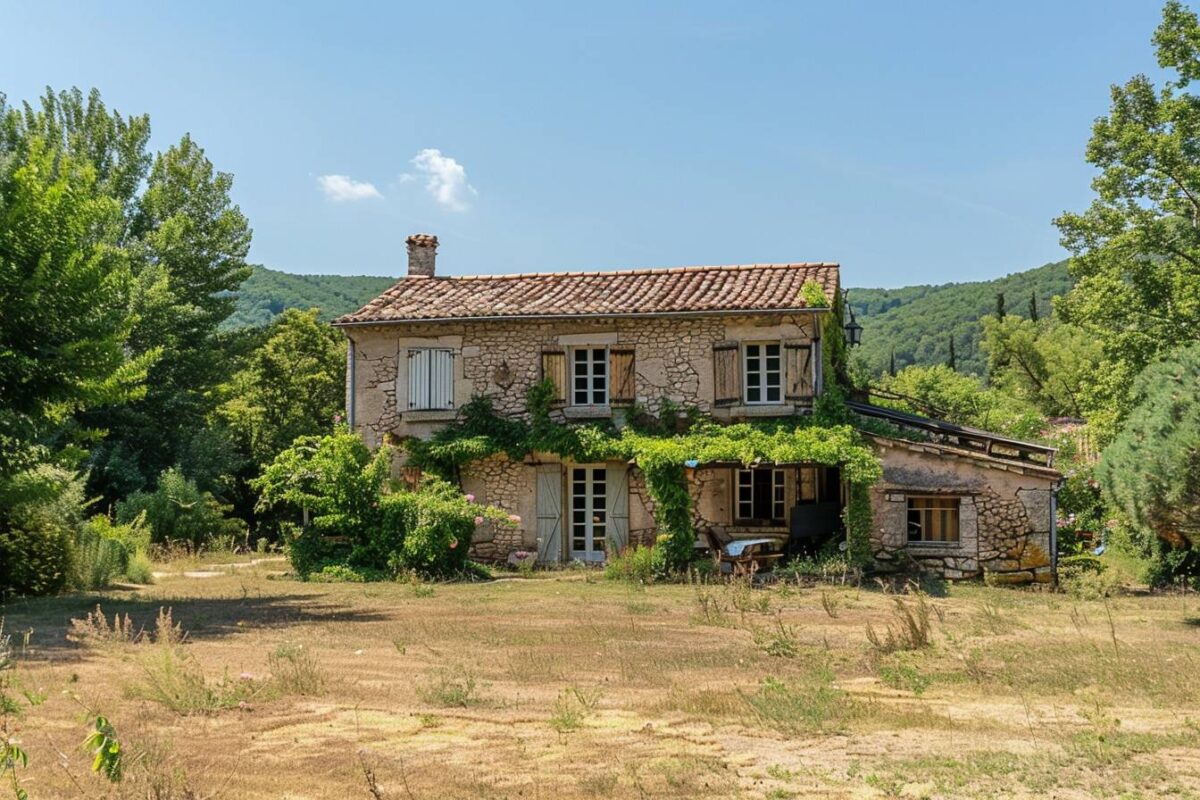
732	342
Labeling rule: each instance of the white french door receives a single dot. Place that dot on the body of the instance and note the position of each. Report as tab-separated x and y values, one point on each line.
589	513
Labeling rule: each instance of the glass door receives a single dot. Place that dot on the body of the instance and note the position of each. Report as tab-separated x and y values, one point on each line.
589	520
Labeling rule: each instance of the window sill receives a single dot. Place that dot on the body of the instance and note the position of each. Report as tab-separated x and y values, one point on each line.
430	415
756	410
936	545
587	412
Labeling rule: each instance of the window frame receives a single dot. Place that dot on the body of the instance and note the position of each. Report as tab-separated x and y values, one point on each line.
426	402
926	514
778	500
590	375
764	386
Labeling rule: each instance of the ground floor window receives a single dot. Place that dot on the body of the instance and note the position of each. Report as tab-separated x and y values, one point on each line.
933	519
760	495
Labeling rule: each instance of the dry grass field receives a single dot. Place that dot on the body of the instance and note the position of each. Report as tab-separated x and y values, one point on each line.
574	687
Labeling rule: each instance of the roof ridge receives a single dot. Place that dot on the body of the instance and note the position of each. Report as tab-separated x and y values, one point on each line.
638	271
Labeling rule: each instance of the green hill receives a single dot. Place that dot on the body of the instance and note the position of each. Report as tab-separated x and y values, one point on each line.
267	292
917	320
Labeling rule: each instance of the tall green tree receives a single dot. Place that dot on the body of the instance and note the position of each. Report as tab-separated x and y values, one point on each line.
950	362
65	289
1033	306
1137	247
1152	469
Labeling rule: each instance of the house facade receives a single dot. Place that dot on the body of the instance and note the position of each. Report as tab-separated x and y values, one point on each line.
732	343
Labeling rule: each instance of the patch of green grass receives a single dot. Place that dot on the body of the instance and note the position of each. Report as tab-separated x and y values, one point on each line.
807	704
451	687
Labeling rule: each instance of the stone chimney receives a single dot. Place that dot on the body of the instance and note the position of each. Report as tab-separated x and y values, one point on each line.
422	255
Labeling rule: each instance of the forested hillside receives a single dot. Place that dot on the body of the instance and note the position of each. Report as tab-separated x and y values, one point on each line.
267	293
919	321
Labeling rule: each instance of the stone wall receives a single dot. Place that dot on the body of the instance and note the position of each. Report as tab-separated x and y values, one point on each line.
502	360
1005	513
506	484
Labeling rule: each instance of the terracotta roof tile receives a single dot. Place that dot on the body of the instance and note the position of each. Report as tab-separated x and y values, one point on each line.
747	287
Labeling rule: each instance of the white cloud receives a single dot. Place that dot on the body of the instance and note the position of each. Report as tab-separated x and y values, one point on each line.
447	179
344	189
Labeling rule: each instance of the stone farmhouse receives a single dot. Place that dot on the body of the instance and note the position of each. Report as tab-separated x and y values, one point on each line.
734	343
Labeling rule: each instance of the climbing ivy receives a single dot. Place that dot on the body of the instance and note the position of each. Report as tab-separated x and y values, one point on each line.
825	437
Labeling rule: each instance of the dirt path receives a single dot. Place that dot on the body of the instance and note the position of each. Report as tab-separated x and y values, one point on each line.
217	570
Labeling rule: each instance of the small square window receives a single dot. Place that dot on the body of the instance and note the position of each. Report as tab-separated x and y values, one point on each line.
933	519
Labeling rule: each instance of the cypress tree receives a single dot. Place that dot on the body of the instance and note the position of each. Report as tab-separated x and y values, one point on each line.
951	363
892	365
1033	312
999	305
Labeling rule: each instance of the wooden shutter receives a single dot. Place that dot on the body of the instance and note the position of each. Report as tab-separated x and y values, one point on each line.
623	375
798	368
554	369
727	374
617	502
549	512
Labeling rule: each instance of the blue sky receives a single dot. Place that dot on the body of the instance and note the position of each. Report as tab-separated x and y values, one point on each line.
913	142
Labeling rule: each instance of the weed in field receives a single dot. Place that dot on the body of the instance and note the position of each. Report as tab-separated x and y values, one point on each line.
781	641
909	628
166	631
831	604
746	600
175	680
451	687
95	630
808	704
709	609
429	721
296	670
573	706
993	618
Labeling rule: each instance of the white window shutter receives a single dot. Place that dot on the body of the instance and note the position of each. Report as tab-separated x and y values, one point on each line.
418	378
441	379
430	379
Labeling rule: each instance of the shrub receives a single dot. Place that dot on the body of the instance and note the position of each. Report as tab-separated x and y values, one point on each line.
40	511
635	565
361	520
104	551
177	511
1086	577
139	569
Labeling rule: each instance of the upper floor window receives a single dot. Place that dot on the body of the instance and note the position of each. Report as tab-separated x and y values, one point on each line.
933	519
589	376
762	372
430	379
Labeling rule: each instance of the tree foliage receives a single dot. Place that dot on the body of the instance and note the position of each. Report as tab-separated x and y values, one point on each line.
1152	468
1050	365
292	385
1137	247
65	289
919	321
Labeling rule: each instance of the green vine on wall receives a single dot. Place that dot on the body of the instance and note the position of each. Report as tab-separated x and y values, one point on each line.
825	437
